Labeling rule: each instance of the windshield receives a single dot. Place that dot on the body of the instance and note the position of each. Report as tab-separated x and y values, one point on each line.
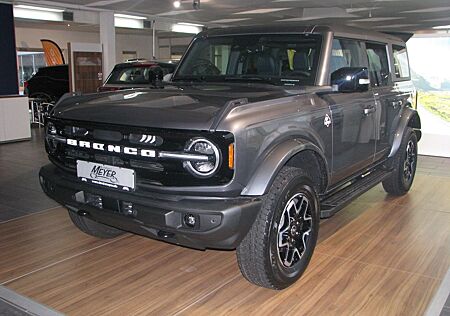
276	59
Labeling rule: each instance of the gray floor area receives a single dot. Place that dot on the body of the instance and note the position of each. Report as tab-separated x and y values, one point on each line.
13	304
6	308
446	309
20	192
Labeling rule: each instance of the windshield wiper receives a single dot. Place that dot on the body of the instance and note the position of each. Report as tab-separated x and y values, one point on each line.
189	78
251	78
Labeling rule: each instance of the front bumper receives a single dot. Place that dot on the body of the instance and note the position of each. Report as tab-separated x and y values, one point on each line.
219	222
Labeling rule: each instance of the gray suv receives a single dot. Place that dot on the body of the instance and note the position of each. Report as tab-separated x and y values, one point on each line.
261	132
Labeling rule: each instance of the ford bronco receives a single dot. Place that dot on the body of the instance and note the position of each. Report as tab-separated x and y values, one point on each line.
261	132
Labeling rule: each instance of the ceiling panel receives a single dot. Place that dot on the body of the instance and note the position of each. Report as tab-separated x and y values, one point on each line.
399	15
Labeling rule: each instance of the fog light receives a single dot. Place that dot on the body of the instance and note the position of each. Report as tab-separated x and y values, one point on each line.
127	208
51	129
190	220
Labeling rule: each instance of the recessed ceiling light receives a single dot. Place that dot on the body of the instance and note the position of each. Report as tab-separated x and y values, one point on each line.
190	24
442	27
262	11
31	7
127	16
177	4
182	28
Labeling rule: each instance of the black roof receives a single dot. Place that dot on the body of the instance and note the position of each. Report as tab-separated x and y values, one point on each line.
300	28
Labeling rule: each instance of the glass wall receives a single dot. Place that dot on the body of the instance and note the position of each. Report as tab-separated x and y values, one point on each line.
29	63
430	71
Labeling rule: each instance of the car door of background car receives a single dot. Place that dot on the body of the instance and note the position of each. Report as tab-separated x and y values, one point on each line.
387	105
353	122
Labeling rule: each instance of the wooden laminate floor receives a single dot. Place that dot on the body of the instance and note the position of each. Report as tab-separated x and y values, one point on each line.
379	256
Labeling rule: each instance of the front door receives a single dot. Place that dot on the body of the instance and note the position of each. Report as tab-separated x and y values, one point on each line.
352	115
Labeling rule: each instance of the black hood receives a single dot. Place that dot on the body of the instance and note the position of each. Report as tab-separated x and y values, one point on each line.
188	107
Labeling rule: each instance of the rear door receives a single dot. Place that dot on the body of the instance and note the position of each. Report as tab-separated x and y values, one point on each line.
387	105
353	125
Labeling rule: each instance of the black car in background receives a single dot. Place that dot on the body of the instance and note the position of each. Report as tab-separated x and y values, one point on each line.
49	83
137	74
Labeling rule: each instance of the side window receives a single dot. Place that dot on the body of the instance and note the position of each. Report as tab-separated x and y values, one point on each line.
346	53
378	64
401	65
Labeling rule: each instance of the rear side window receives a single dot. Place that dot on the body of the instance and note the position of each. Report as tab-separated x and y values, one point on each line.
134	75
346	53
401	64
167	69
378	64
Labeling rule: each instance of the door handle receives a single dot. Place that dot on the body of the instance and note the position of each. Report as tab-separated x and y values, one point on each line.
368	111
397	103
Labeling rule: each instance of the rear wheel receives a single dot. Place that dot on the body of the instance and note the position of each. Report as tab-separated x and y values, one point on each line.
404	163
280	244
94	228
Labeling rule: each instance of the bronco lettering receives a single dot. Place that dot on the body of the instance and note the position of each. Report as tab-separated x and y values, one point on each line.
112	148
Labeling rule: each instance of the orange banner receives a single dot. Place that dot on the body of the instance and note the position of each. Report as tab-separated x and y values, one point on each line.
52	52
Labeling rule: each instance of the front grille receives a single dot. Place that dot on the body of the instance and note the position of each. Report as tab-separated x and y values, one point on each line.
150	171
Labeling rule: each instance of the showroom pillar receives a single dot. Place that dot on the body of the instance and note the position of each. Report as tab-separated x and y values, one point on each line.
8	80
108	41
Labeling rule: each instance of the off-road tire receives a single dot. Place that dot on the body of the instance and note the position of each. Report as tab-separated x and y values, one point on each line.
397	184
94	228
258	254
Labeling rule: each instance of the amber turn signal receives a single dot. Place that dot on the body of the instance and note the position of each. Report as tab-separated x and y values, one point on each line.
231	156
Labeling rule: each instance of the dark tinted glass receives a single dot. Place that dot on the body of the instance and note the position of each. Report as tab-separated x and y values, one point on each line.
378	64
346	53
278	59
54	72
135	75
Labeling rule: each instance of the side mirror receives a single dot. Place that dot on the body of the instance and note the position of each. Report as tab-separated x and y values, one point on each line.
167	77
351	79
155	76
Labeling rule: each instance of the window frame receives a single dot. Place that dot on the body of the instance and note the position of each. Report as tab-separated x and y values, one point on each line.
388	47
320	50
363	51
394	77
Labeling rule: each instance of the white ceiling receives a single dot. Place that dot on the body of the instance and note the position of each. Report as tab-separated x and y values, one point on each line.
387	15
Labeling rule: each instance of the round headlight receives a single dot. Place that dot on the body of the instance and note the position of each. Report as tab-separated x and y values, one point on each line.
51	128
203	147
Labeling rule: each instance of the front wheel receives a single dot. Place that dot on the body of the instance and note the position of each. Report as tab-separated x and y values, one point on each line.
404	164
280	244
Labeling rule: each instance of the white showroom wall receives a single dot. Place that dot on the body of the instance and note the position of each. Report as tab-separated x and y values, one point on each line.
29	38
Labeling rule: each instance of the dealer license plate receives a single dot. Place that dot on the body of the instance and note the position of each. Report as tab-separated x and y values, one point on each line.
109	176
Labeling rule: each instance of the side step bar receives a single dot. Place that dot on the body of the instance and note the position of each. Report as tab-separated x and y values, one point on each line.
331	204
